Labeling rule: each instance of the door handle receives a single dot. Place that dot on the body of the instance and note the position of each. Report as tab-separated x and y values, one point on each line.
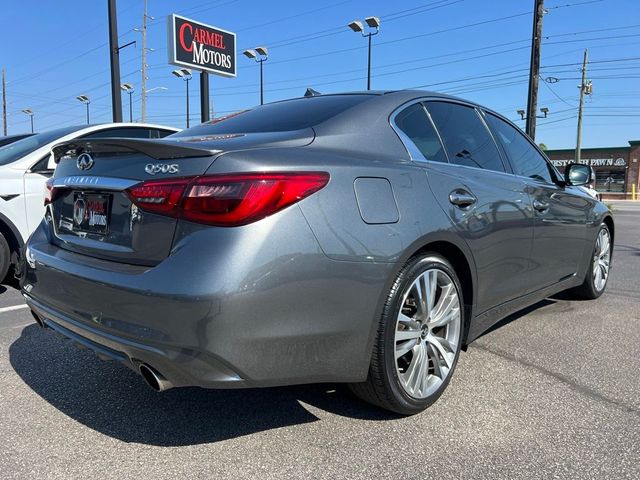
461	198
540	206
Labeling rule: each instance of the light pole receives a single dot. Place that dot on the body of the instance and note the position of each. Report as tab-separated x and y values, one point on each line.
86	100
374	28
29	112
127	87
185	74
260	55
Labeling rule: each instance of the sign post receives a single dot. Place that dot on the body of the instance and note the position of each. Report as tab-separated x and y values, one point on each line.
204	97
202	47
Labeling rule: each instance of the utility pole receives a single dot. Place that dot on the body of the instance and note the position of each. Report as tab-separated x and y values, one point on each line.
143	83
534	69
4	104
114	53
584	88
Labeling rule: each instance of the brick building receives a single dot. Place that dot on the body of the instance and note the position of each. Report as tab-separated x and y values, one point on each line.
616	168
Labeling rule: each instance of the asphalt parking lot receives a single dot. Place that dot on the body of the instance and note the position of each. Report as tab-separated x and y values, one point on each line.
554	392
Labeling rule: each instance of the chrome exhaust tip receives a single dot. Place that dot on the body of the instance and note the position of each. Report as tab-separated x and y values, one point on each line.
153	378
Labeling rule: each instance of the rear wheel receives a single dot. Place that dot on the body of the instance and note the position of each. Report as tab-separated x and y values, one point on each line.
5	257
418	340
597	275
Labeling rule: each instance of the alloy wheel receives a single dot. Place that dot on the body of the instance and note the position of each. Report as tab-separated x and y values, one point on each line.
601	258
427	333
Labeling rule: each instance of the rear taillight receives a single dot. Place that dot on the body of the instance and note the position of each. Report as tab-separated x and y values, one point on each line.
50	192
159	196
226	200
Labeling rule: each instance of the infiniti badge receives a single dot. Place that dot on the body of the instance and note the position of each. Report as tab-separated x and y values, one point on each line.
84	161
78	211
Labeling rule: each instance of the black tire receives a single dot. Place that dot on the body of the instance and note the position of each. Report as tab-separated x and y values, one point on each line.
382	386
588	290
5	258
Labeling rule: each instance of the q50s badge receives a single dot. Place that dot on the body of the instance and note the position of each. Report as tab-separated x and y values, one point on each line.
155	168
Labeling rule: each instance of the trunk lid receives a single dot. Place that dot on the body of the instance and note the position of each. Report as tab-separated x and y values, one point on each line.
90	210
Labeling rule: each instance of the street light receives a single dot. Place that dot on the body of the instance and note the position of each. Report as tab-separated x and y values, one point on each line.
86	100
127	87
544	110
185	74
374	28
29	112
260	55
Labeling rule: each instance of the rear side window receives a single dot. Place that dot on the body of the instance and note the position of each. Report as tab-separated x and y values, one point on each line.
415	124
467	140
280	116
525	159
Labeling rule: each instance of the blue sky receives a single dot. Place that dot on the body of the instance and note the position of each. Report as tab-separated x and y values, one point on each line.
56	50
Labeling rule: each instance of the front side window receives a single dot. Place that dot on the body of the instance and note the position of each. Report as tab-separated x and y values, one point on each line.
525	159
415	124
466	138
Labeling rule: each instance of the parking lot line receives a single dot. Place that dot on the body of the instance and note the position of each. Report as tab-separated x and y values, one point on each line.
12	308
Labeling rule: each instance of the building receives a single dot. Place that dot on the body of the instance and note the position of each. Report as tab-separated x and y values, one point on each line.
616	169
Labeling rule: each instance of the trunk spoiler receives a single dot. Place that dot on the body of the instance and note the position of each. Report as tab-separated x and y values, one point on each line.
158	149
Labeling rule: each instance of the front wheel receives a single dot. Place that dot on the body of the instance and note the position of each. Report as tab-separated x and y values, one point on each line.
418	340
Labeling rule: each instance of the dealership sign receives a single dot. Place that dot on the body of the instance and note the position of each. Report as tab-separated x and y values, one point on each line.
593	162
201	47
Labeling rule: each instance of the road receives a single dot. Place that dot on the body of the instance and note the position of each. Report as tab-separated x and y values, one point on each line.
554	392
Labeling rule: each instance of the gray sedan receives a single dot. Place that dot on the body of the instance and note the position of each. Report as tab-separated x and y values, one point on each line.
364	238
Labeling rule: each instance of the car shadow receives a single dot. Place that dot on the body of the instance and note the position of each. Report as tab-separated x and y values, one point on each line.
113	400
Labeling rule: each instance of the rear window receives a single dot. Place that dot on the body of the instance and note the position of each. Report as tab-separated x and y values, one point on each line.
279	117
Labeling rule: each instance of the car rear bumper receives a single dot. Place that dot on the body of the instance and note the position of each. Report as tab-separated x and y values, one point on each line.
229	308
180	367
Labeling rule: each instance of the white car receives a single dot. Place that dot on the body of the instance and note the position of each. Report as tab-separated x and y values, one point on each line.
25	166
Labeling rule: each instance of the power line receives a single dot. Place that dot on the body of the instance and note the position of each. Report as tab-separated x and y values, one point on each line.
555	94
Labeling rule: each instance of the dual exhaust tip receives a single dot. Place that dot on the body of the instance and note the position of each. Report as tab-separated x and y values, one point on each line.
154	378
151	376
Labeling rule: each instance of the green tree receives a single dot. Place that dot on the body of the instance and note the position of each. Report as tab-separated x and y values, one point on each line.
543	146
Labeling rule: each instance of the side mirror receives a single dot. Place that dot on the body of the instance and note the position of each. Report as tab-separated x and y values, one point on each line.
577	174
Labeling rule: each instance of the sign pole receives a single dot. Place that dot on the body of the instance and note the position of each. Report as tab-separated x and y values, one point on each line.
204	97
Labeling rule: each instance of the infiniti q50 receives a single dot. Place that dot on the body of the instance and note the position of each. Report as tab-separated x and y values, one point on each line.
364	238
